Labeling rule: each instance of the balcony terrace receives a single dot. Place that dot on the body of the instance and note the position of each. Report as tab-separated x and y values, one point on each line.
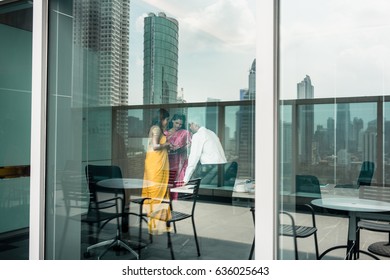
326	138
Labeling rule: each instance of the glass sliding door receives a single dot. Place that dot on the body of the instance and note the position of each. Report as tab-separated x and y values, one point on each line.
111	65
333	76
15	111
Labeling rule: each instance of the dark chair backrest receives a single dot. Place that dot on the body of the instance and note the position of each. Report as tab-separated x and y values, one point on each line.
96	173
366	173
307	184
194	184
230	173
75	193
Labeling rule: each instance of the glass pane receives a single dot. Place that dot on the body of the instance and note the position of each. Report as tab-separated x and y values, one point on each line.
386	144
332	130
15	111
112	67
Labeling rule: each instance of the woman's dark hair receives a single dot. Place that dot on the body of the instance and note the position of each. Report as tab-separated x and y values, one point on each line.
161	114
177	117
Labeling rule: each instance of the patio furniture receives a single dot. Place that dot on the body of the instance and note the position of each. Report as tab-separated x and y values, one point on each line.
307	185
142	215
295	231
355	207
381	222
253	242
101	211
186	192
365	176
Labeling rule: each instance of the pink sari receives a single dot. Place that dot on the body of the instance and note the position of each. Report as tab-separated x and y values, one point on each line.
178	159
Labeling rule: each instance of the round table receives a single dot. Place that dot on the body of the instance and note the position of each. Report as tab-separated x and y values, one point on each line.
352	205
126	184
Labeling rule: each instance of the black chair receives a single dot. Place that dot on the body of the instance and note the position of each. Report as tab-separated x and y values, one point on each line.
365	176
381	222
218	174
295	231
253	242
191	194
105	205
144	216
230	173
307	185
75	197
366	173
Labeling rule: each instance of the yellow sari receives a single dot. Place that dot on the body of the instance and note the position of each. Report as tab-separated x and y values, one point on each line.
155	186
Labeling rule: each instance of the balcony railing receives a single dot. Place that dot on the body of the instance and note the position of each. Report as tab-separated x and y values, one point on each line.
331	138
119	134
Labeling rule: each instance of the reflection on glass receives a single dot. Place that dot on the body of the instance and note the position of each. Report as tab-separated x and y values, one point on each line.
96	77
331	82
386	142
332	140
15	127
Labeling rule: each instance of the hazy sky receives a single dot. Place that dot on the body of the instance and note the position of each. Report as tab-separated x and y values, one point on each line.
343	45
217	45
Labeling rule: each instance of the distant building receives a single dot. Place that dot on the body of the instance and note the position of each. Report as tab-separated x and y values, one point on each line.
161	42
99	27
252	81
305	90
245	127
343	126
101	62
250	93
243	93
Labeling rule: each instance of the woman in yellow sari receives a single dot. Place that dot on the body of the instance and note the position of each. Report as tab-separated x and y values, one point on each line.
156	175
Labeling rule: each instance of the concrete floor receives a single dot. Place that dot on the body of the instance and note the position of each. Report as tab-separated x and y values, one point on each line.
224	231
332	231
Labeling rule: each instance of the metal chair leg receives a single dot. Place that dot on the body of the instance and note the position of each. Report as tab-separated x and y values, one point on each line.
196	236
170	242
252	249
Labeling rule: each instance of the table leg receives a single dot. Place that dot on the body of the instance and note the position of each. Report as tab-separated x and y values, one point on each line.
125	223
353	249
351	244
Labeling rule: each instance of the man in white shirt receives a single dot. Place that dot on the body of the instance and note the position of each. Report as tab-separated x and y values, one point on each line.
205	147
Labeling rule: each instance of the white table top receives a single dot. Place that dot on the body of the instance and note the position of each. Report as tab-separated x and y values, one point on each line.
124	183
183	189
352	204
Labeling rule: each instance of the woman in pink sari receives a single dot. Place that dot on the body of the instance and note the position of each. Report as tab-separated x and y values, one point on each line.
179	140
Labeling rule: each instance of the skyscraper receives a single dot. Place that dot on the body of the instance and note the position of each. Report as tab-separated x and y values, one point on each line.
100	34
252	81
305	90
161	41
246	127
101	70
250	93
343	126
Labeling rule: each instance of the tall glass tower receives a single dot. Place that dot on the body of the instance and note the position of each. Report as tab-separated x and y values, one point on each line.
101	51
305	90
161	41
